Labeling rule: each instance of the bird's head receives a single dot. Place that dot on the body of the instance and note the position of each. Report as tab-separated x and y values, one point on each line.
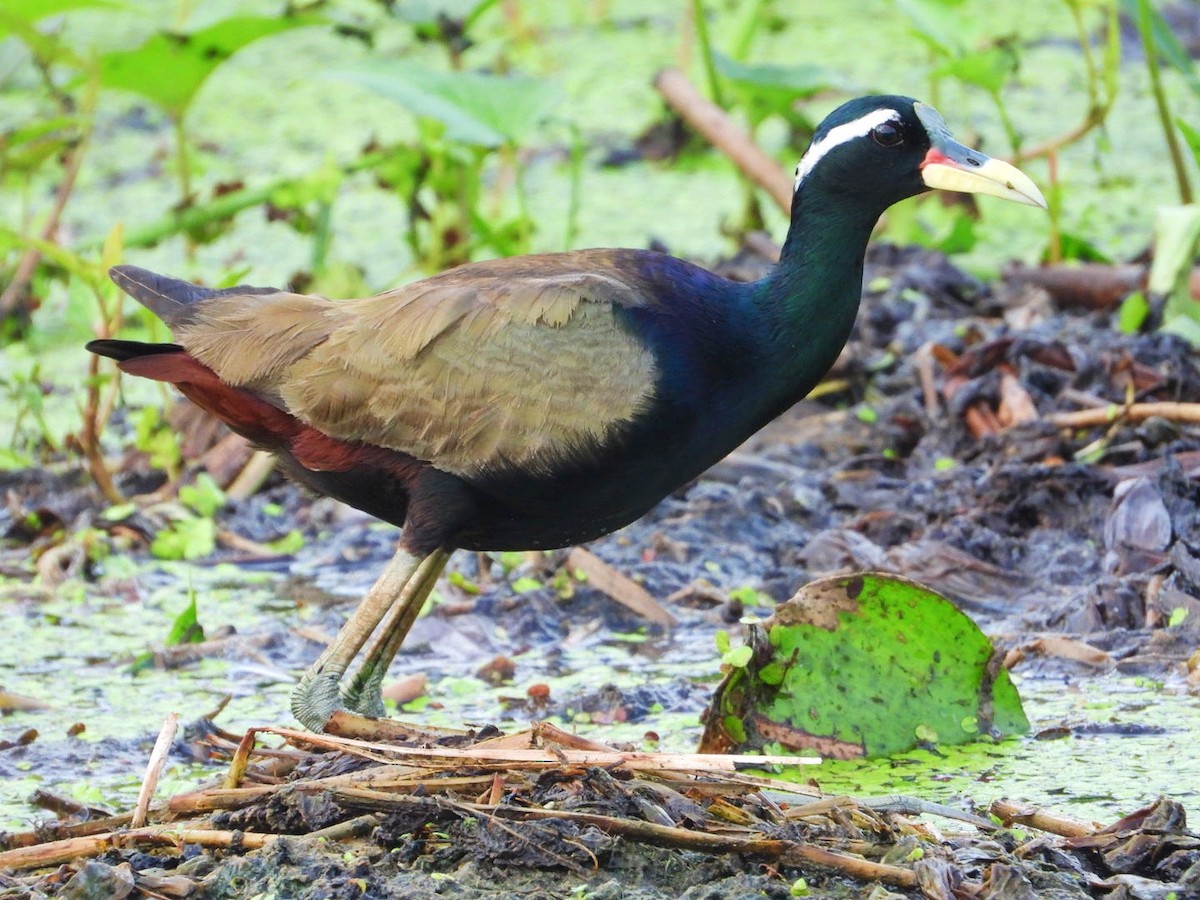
885	148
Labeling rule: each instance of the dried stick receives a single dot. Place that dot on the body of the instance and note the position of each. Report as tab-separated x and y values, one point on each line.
1009	813
1188	413
158	759
619	587
57	853
789	852
719	130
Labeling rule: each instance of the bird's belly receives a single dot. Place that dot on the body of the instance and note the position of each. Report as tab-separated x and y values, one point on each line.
520	511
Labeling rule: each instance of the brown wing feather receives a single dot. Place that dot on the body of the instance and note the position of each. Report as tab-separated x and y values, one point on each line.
516	361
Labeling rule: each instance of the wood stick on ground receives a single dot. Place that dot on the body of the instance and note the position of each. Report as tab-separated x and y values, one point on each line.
54	831
789	852
619	587
1009	812
1188	413
723	133
158	759
634	761
57	853
252	476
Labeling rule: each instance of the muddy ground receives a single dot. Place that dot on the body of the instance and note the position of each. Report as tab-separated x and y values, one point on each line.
933	456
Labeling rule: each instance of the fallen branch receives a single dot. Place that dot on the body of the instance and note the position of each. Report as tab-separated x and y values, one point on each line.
722	132
57	853
1010	813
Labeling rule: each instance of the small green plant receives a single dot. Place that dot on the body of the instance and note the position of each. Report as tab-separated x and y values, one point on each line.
470	125
185	629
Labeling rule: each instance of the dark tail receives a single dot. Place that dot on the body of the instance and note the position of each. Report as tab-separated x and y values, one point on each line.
171	299
123	350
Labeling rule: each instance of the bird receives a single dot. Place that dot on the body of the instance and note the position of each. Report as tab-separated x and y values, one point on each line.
540	401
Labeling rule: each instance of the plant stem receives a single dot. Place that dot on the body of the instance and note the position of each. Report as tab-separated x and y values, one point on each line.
706	53
1160	101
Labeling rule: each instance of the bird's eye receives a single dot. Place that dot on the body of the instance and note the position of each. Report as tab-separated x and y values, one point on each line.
886	135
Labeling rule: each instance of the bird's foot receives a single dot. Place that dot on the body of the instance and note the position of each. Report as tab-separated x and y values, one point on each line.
316	697
364	693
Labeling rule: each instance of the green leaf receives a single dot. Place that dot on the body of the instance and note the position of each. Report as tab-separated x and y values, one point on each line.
525	584
1178	616
778	86
988	69
474	108
1176	233
290	543
19	15
1192	137
11	460
865	665
169	68
204	497
1132	313
188	538
942	24
186	629
738	657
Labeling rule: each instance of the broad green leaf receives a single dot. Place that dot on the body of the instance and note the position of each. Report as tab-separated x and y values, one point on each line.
18	15
794	81
168	69
478	109
870	665
988	69
943	24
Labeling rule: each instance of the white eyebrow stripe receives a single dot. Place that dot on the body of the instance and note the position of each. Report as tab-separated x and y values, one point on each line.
847	131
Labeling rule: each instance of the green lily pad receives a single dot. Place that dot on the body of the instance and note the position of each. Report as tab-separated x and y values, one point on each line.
863	665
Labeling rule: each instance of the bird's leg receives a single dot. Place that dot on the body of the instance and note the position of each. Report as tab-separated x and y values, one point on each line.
361	692
316	697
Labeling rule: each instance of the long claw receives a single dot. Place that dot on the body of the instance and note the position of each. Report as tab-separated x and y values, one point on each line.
318	694
362	693
316	697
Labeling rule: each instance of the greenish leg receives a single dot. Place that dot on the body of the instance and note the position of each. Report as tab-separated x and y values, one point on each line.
317	695
362	693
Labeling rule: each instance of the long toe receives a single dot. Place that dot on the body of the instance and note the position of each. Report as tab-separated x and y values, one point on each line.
365	697
315	698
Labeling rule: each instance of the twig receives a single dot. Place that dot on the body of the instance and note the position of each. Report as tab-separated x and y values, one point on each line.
252	476
1009	813
718	129
619	587
57	853
1188	413
56	831
789	852
158	759
635	761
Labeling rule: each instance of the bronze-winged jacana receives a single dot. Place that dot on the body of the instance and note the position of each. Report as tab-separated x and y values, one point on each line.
540	401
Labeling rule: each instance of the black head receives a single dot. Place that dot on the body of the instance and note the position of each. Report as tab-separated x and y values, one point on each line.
875	151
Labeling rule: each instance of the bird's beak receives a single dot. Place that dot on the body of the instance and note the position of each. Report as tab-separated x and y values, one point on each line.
950	166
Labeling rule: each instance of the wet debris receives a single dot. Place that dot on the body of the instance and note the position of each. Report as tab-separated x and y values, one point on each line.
410	817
